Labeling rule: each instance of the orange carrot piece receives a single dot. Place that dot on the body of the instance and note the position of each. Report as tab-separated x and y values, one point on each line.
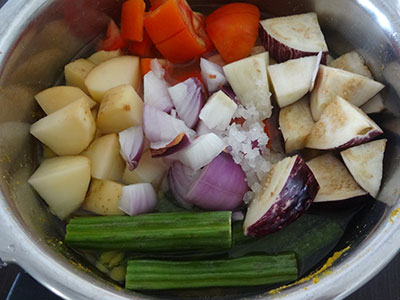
181	47
132	16
234	8
167	20
144	48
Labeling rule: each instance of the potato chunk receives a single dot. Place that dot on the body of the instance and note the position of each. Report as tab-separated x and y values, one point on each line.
57	97
67	131
76	73
114	72
120	109
101	56
105	159
150	170
103	198
62	182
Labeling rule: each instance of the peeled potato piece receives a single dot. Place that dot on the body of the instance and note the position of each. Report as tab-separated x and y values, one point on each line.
112	73
76	73
62	182
104	156
101	56
67	131
103	198
120	109
57	97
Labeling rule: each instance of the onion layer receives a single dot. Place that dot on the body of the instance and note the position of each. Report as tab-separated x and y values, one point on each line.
156	92
220	186
138	199
188	98
131	141
202	151
213	75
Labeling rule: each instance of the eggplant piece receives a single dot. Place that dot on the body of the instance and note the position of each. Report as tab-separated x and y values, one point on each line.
293	37
333	82
335	181
296	122
352	62
249	80
342	125
375	105
288	191
298	72
365	163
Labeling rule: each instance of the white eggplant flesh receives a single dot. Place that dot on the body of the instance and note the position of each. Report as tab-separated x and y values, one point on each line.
293	37
365	163
342	125
352	62
292	79
295	123
288	191
333	82
336	183
249	80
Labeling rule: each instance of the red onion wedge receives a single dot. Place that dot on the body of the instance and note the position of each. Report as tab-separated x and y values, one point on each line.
293	37
157	68
180	179
220	186
180	142
218	111
156	92
161	129
188	98
213	75
131	141
138	199
201	151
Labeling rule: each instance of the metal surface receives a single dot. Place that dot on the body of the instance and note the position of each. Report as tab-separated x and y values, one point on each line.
38	37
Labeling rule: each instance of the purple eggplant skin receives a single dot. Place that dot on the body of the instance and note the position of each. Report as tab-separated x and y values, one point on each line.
360	140
280	52
296	197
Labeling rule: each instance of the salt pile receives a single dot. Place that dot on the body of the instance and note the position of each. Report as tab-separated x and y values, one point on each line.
248	147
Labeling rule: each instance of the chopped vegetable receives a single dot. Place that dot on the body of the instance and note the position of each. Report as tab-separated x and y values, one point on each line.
212	74
62	182
333	82
293	37
202	151
218	111
139	198
170	27
102	55
103	198
113	39
352	62
145	64
188	98
152	232
365	163
156	92
105	159
221	185
342	125
334	179
67	131
76	72
132	145
245	271
145	48
288	191
233	28
132	16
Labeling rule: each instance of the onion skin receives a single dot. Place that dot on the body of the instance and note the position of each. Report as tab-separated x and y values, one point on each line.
220	186
180	142
300	189
280	52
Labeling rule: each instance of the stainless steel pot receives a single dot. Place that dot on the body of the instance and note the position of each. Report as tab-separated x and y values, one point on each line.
37	37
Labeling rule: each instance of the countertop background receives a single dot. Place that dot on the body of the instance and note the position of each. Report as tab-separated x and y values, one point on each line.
385	286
